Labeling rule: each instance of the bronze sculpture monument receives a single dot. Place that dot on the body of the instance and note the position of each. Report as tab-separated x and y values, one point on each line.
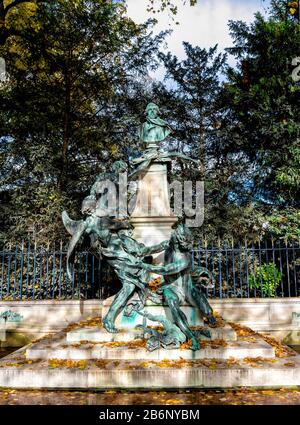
109	234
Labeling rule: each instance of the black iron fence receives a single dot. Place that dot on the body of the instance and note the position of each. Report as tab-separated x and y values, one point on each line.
256	269
261	269
31	272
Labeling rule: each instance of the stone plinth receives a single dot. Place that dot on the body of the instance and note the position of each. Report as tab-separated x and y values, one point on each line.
2	335
193	315
2	331
103	366
93	334
152	217
153	193
97	351
152	230
131	375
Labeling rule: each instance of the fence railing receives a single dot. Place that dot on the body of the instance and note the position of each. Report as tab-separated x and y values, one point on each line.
28	272
258	269
261	269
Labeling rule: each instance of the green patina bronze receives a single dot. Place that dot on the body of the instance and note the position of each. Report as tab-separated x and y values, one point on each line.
143	162
170	337
112	240
154	129
11	316
122	252
178	285
99	193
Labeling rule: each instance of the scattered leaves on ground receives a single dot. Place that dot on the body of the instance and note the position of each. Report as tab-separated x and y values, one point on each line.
215	343
243	396
281	350
258	361
135	343
89	323
70	364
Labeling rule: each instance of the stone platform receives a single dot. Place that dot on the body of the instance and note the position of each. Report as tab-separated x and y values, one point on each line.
65	360
193	314
93	334
88	351
16	372
127	344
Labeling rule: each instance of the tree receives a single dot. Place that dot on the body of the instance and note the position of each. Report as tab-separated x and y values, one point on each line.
10	11
245	130
66	108
260	121
264	107
156	6
191	95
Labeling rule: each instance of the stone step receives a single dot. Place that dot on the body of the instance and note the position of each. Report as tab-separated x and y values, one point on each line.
67	351
93	334
133	375
148	379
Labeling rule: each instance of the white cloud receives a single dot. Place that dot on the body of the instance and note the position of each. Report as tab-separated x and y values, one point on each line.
204	25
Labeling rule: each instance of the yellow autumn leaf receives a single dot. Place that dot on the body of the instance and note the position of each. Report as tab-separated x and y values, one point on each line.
173	401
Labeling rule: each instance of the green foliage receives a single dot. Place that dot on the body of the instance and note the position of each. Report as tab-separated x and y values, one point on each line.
281	224
266	279
244	131
79	81
156	6
15	18
68	109
263	107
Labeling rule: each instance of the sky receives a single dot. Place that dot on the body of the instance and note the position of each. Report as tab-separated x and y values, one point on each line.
204	25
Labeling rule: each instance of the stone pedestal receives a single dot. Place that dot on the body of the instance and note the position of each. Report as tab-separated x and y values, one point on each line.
193	315
96	335
152	217
152	230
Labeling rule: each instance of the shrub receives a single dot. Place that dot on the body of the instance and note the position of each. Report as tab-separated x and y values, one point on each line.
266	279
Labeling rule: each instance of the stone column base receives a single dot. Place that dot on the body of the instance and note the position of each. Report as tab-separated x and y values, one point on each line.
152	230
193	315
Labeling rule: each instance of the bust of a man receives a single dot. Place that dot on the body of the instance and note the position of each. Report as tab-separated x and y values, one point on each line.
155	129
